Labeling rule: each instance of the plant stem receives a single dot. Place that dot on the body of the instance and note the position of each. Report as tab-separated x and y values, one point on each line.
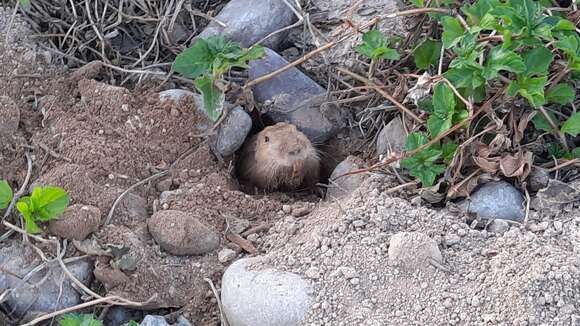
557	132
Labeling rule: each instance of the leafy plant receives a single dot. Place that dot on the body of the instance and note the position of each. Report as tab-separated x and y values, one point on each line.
510	42
79	320
376	46
43	205
427	164
206	61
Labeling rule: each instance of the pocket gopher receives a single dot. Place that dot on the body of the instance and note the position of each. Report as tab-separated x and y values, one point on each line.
280	157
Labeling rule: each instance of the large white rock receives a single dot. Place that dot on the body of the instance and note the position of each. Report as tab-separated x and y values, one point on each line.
263	297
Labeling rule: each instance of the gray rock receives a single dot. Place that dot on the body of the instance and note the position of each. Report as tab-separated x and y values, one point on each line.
182	321
9	118
178	95
249	21
117	316
498	226
392	138
538	179
225	255
232	132
151	320
296	98
264	296
496	200
413	251
345	186
46	291
181	233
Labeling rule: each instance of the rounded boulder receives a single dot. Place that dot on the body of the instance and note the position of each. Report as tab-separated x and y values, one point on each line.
182	234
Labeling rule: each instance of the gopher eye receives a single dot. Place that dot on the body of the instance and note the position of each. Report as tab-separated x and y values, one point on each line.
266	139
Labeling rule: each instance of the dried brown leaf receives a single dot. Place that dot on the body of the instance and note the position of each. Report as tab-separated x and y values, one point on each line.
517	165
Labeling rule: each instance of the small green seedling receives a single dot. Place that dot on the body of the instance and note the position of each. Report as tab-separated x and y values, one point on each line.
79	320
375	46
206	61
43	205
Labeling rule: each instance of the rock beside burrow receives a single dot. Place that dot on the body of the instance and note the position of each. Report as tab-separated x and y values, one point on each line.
345	186
47	290
263	296
151	320
181	233
413	251
232	132
77	222
295	98
392	138
496	200
249	21
118	316
9	118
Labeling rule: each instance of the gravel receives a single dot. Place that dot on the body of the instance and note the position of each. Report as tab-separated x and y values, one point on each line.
477	277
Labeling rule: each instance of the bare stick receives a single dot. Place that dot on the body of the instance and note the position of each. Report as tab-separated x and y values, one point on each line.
442	135
306	57
142	182
378	89
223	319
555	128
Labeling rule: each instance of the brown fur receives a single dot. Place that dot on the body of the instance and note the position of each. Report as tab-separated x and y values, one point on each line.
279	157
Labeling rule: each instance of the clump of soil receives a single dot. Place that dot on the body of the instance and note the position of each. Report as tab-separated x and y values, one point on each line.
522	277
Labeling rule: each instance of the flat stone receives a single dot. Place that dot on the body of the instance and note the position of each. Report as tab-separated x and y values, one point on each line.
29	300
77	222
232	132
345	186
498	227
178	95
249	21
151	320
413	250
496	200
392	138
295	98
263	296
225	255
181	233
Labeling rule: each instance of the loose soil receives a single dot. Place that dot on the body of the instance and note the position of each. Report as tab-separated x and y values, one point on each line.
96	140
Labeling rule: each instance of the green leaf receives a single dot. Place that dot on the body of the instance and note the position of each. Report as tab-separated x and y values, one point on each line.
133	323
537	61
478	10
415	140
213	97
452	31
195	61
572	125
375	46
443	110
5	194
448	150
49	202
541	123
79	320
25	4
427	53
422	165
561	94
531	88
502	59
24	206
568	44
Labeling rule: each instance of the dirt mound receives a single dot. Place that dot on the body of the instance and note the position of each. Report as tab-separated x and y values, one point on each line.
522	277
